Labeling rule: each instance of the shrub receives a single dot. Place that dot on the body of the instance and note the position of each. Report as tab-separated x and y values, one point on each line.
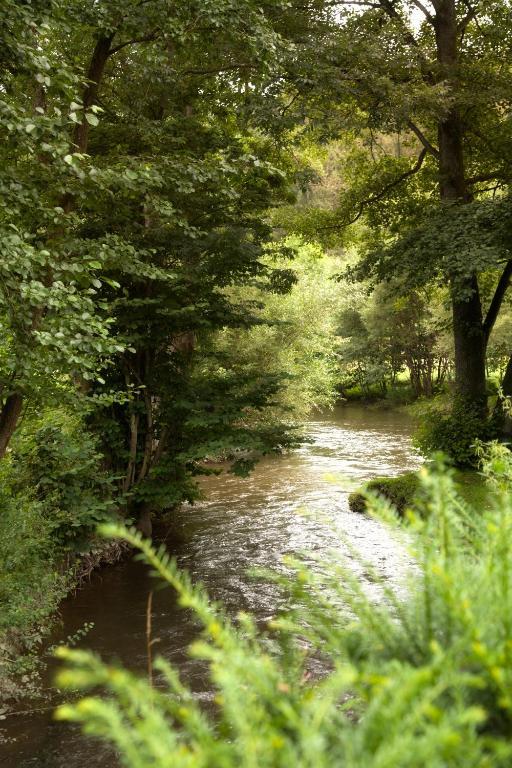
59	460
53	494
400	394
454	431
31	587
405	683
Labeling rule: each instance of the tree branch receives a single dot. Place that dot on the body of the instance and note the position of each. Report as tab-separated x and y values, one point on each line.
363	3
384	191
497	300
424	11
426	68
395	183
470	15
217	70
421	136
389	8
146	39
491	176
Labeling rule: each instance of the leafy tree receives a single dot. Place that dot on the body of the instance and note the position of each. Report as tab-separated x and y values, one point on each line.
53	323
438	81
295	334
388	332
192	180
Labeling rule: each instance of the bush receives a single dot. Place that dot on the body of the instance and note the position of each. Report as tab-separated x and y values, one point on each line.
401	394
399	491
454	431
60	461
53	494
425	682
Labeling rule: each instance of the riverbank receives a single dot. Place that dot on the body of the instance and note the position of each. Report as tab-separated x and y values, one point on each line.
401	491
33	589
54	491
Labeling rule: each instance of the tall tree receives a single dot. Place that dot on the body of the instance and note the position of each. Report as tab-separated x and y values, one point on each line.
438	79
52	324
177	203
61	59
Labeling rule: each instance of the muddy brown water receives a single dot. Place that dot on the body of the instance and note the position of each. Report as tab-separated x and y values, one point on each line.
242	523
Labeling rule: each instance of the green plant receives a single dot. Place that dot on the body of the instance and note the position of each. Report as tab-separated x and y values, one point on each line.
31	587
405	683
399	491
454	430
53	494
59	461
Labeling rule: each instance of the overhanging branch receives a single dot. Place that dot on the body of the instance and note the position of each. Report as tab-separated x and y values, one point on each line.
482	177
424	11
146	39
470	15
389	9
395	183
383	192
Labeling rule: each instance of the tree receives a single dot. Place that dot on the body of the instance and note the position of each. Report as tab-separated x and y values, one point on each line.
53	324
294	338
389	332
192	180
439	80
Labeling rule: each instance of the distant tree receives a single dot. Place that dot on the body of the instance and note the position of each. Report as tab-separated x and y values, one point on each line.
390	333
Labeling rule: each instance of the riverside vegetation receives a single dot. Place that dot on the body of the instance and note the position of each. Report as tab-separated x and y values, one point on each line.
415	682
215	218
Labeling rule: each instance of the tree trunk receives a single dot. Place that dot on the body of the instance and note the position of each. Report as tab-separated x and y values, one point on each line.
9	417
144	520
469	338
501	417
506	384
468	330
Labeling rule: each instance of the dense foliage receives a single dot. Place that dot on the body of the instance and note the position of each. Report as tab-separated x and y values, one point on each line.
31	587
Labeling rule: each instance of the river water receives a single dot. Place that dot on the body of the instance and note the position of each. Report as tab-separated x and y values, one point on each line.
242	523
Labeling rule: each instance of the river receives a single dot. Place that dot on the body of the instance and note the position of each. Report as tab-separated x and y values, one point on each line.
242	523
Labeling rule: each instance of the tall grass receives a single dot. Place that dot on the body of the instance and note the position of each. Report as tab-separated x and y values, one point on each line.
421	681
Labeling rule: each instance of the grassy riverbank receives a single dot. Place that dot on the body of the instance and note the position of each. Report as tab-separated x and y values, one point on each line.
53	494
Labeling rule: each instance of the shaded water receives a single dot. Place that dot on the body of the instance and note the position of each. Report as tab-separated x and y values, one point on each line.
242	523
